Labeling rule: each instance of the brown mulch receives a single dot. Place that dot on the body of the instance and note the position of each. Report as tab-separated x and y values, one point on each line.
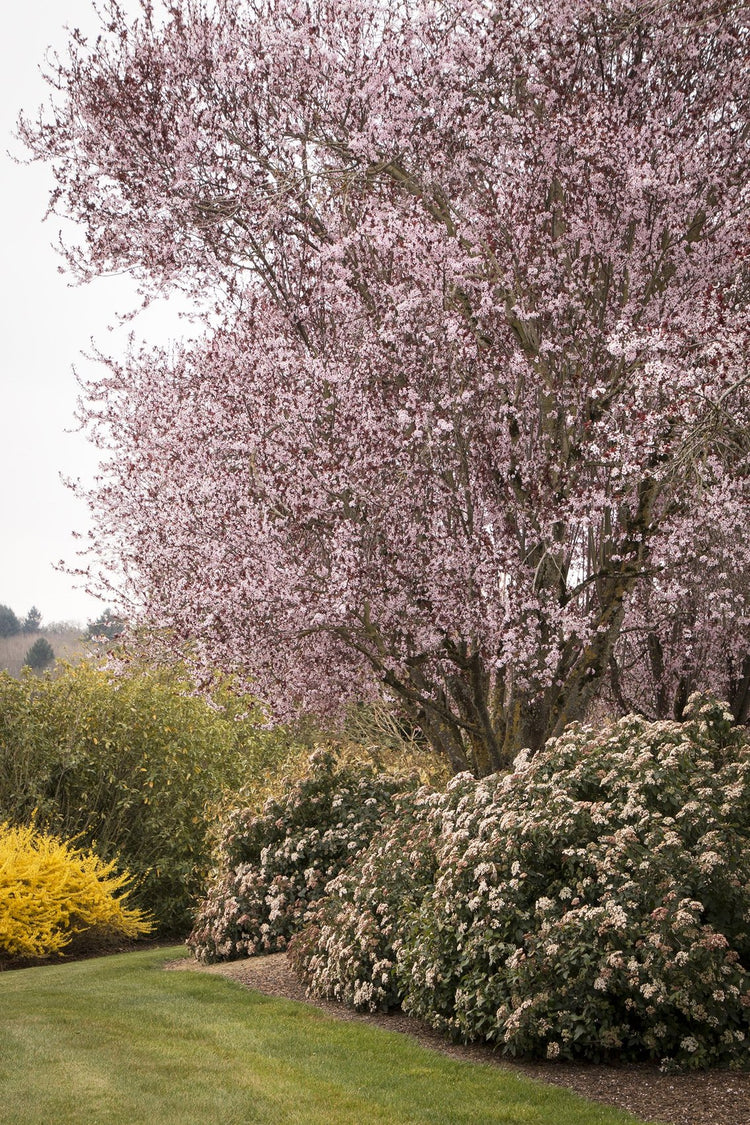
715	1097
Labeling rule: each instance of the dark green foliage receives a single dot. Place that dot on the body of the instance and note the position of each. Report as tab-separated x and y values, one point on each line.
40	655
9	623
348	950
106	625
273	864
32	620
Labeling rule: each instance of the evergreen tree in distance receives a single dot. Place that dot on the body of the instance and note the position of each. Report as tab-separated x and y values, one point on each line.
32	621
40	655
9	623
107	624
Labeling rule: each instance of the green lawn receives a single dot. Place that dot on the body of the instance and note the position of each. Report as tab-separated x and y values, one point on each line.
118	1041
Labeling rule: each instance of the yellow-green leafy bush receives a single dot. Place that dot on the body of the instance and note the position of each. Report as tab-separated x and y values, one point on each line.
134	765
50	892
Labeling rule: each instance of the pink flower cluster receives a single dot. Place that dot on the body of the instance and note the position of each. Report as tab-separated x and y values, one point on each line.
467	420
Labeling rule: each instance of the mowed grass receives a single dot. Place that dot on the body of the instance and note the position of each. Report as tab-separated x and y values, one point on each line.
118	1041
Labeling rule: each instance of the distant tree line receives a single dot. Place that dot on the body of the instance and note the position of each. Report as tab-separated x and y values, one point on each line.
40	655
11	625
107	624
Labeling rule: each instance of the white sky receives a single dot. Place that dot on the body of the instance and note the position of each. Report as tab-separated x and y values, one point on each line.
45	325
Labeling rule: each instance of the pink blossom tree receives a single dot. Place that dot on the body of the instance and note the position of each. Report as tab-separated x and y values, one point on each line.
688	628
472	386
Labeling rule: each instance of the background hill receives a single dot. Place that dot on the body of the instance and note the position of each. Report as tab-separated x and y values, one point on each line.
68	641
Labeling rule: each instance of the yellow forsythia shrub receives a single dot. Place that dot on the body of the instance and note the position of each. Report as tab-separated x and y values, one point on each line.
51	891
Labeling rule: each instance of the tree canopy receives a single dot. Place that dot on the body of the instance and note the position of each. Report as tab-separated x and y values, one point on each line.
468	423
32	621
40	655
9	623
107	625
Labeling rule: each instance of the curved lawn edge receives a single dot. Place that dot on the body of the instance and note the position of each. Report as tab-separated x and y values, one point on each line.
117	1040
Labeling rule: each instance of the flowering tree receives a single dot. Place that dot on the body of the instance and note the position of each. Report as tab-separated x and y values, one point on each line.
689	625
474	281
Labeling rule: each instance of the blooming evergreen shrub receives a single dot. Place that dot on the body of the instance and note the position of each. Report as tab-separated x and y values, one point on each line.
595	903
273	865
50	892
347	951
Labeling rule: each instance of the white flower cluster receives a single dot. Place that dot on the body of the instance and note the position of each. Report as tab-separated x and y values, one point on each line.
572	909
274	865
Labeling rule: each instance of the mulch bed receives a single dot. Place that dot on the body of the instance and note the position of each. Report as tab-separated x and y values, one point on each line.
715	1097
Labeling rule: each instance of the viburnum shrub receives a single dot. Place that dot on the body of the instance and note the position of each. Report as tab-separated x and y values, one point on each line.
274	864
348	949
52	892
594	903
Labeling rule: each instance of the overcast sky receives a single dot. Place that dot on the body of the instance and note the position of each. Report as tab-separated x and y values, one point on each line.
45	325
